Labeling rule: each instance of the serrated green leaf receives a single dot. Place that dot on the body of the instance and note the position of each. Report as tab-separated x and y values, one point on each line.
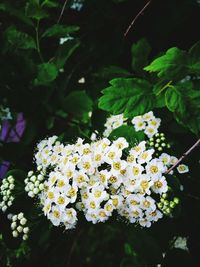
140	52
172	98
47	72
170	65
129	133
58	30
18	40
129	96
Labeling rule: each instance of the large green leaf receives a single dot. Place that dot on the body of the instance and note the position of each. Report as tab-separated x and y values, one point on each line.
47	72
58	30
18	40
170	65
140	52
129	96
173	99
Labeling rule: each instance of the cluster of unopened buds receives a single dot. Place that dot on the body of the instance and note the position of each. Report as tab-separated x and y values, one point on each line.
34	183
19	225
7	187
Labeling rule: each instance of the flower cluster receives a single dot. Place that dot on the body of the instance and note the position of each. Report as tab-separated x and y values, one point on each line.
147	123
77	5
100	178
7	188
19	225
34	184
113	122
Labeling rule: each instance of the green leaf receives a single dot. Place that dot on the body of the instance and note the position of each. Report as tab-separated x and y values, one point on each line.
140	52
194	58
58	30
49	3
79	104
172	98
47	72
129	96
35	11
170	65
129	133
18	40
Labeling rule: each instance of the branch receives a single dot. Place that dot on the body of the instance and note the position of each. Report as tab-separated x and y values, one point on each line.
62	11
136	17
183	156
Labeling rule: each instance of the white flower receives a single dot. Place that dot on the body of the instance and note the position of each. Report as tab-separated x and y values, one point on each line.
160	185
165	158
182	168
155	168
145	156
55	215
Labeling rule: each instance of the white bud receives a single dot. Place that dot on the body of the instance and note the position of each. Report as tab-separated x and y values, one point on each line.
19	228
31	194
31	186
41	187
5	198
20	216
11	186
4	208
25	237
10	179
30	173
26	188
39	168
23	221
9	203
26	230
26	180
13	225
40	177
35	191
14	218
15	234
33	178
37	183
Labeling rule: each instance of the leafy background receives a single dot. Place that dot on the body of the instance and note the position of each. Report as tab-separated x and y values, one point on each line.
39	77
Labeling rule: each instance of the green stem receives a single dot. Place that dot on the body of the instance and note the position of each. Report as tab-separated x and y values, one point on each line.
37	40
164	87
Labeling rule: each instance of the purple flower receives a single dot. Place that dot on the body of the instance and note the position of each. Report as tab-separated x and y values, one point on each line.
13	134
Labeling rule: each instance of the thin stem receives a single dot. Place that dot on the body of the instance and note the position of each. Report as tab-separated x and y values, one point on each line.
136	17
183	156
62	11
164	87
37	40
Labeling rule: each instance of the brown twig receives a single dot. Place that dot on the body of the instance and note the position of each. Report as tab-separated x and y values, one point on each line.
62	11
136	17
183	156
